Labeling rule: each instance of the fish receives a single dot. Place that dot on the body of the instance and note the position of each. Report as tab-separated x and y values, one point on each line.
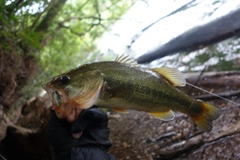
122	85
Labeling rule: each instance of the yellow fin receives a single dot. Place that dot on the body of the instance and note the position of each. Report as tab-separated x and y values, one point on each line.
174	76
166	116
120	110
124	58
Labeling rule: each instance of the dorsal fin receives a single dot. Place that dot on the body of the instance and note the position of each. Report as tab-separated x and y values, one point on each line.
124	58
174	76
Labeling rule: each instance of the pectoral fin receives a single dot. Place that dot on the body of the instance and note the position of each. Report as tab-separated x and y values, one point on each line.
166	116
174	76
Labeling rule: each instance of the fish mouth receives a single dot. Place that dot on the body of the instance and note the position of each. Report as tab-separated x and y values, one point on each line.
44	86
47	87
50	91
63	109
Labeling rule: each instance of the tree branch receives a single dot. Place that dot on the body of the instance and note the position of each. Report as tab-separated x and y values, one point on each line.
51	14
71	30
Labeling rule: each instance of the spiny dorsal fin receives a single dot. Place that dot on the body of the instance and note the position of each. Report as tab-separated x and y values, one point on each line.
174	76
126	59
166	116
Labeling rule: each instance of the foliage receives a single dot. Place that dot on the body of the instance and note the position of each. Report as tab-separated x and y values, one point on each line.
56	35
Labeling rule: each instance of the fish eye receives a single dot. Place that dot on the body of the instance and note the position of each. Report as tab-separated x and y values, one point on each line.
65	79
57	98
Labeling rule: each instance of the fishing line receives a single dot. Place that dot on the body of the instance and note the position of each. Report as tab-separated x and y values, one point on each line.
212	94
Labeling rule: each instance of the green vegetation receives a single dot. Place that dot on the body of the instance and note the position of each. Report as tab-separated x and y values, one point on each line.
42	38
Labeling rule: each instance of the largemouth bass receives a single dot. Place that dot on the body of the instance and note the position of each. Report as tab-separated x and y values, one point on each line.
121	85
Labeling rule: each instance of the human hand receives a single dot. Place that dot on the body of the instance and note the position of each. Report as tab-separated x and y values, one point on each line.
90	126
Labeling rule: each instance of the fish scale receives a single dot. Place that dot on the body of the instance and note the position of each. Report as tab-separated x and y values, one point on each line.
153	91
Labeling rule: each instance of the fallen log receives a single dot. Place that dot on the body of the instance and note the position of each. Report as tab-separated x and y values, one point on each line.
221	94
214	79
220	29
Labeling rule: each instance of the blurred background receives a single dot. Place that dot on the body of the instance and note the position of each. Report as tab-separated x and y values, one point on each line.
40	39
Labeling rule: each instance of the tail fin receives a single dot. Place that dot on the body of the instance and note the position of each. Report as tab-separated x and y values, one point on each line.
205	118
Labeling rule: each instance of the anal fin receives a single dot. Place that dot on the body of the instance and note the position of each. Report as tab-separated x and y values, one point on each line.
166	116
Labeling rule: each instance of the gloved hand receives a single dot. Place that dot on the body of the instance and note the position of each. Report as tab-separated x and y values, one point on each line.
94	126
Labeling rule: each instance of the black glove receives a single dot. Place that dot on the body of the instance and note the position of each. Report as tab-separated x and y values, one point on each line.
94	124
